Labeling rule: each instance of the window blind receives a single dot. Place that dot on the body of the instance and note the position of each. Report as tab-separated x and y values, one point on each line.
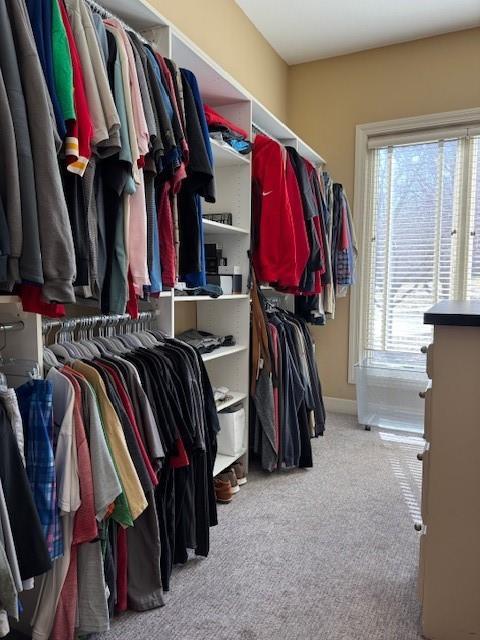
424	217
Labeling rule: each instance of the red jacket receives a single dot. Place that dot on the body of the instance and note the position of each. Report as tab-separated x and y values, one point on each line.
282	250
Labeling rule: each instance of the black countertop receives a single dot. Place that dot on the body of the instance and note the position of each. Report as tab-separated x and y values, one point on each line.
454	313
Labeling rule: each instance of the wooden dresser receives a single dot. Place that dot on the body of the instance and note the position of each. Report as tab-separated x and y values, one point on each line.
449	572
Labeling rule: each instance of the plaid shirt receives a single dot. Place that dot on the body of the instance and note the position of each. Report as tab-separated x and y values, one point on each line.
36	408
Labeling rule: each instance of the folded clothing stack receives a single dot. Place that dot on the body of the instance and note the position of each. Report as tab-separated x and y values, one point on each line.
205	342
227	131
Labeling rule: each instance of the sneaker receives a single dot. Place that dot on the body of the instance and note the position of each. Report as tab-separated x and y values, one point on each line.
223	491
239	469
229	476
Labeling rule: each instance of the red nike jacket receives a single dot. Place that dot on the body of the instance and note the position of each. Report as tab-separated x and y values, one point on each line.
282	248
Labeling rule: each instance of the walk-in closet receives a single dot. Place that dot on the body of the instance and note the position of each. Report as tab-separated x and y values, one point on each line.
239	284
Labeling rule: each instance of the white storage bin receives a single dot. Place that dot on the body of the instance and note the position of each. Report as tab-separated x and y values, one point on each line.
388	396
231	439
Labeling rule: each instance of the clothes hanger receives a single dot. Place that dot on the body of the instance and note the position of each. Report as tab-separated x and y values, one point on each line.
86	327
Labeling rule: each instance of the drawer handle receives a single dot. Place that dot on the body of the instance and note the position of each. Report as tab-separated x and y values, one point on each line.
422	394
418	526
424	350
420	457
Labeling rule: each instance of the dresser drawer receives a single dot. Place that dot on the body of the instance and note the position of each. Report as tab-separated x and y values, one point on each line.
427	422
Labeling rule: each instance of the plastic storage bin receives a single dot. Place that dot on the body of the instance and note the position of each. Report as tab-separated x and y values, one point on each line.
231	438
388	396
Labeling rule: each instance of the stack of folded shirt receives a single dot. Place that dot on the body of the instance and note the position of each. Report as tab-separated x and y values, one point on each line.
205	342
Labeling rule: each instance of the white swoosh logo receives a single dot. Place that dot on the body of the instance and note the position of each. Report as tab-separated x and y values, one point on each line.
266	193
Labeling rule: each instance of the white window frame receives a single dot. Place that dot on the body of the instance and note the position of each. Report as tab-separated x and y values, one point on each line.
416	124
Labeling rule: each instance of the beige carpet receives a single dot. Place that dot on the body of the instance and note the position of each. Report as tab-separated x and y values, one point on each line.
324	554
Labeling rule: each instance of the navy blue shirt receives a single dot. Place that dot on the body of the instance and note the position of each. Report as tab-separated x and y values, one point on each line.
40	12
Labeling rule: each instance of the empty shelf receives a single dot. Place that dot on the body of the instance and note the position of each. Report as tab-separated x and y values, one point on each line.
210	227
222	462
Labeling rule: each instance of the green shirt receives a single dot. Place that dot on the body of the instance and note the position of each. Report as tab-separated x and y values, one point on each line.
62	64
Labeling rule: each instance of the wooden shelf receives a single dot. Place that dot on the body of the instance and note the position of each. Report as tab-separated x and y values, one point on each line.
225	156
223	352
236	397
233	296
210	228
222	462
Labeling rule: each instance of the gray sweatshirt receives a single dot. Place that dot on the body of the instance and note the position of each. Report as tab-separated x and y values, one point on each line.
58	256
9	184
31	258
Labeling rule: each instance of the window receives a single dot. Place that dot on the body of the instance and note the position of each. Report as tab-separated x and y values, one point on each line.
422	237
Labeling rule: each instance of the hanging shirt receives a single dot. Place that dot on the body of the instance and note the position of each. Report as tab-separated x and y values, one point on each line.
36	404
128	475
41	19
100	102
80	130
31	549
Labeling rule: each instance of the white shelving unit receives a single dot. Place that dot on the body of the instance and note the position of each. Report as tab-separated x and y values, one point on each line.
226	156
229	314
211	227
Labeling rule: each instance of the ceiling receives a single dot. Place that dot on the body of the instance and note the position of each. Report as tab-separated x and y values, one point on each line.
304	30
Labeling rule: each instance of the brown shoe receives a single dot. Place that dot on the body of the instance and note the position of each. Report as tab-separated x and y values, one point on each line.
229	476
239	469
223	491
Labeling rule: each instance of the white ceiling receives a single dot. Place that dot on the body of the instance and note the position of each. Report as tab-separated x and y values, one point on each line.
303	30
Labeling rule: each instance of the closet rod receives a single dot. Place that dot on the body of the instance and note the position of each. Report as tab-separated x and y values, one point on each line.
12	326
104	13
93	321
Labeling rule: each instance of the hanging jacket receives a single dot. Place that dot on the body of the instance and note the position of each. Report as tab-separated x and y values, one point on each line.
275	256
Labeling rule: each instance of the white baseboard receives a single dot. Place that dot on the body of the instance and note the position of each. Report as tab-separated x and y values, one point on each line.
340	405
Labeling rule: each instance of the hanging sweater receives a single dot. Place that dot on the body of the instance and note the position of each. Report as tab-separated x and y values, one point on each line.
31	259
54	226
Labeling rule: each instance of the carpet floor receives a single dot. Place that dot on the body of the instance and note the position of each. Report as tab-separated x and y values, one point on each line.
327	553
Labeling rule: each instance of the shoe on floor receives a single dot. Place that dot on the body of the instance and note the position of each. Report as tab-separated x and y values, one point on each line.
223	490
239	469
229	476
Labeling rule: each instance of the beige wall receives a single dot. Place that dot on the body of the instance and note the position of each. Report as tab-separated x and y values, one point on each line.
328	98
224	32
